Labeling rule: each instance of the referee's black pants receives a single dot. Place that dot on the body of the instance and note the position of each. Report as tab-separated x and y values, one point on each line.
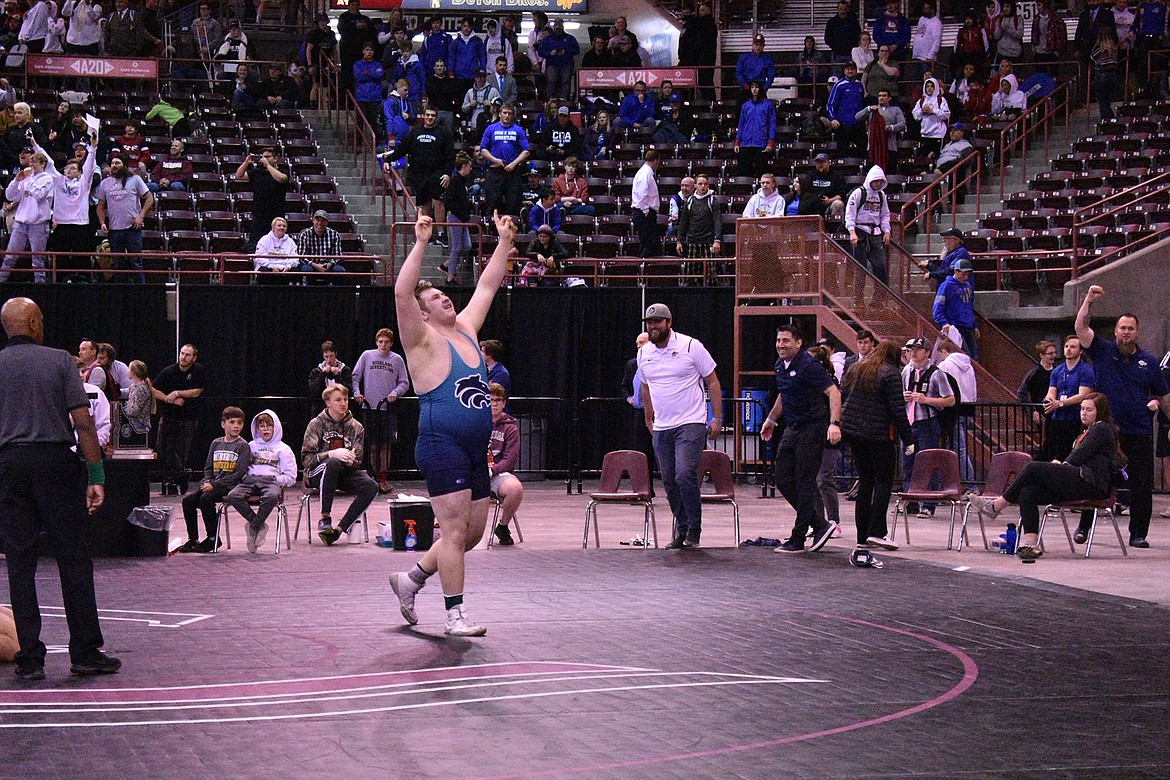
42	488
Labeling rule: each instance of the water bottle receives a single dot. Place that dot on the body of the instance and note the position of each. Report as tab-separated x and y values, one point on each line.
1009	540
411	536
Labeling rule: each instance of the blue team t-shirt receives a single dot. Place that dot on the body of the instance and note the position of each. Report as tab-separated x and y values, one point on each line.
1128	384
505	143
1069	383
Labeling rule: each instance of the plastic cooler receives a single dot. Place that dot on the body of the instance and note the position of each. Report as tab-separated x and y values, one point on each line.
424	522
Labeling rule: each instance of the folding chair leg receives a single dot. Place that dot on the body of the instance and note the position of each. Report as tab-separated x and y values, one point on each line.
519	533
282	524
1092	533
963	525
1064	522
735	519
585	540
1117	530
951	531
653	525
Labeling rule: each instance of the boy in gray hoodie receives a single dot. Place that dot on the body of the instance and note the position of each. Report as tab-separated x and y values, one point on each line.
273	468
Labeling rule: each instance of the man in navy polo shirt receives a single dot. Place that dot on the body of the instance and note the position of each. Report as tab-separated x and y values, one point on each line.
505	147
1129	377
802	384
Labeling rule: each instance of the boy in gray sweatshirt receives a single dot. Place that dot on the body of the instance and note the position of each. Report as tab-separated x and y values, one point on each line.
227	462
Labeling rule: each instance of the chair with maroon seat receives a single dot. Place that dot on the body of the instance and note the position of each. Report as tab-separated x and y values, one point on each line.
179	220
616	466
1096	507
1020	201
1036	219
212	201
1004	468
352	243
927	465
225	241
173	200
979	240
1010	240
717	466
205	182
1000	220
210	221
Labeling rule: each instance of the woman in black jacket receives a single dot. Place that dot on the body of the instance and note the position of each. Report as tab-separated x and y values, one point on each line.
1086	474
872	413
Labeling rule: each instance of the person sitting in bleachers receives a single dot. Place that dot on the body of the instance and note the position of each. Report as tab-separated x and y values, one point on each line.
172	171
276	252
545	255
320	247
1009	102
546	211
245	89
637	109
572	190
278	90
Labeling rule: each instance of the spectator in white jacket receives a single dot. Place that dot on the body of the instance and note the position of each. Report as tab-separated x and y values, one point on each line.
72	231
32	192
934	114
276	251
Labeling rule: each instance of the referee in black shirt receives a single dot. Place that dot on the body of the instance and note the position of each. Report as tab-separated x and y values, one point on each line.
43	488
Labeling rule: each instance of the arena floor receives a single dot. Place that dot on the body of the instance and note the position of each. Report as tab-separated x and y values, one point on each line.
619	662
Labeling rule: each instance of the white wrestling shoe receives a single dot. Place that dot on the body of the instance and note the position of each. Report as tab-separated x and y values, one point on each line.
405	589
457	624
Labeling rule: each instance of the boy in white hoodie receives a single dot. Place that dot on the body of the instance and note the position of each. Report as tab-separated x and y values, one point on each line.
767	202
273	468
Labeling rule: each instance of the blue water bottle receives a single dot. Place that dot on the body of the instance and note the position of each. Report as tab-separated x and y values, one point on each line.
1009	540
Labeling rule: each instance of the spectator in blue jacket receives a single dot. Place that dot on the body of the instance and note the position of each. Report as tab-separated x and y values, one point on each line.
410	69
938	271
755	66
955	305
636	108
846	99
468	55
397	111
559	50
893	29
755	137
435	46
367	76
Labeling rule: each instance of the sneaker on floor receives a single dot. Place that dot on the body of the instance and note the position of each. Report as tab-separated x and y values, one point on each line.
405	589
822	536
883	542
1121	510
261	535
678	542
504	536
1139	542
95	662
251	532
926	514
384	487
693	535
790	546
457	624
209	545
329	535
1080	537
985	506
836	531
30	670
190	546
1028	554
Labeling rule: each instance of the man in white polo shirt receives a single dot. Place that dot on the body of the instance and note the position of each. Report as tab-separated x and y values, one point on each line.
674	368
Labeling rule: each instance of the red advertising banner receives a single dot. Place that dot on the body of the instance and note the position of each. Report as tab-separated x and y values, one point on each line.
100	67
620	78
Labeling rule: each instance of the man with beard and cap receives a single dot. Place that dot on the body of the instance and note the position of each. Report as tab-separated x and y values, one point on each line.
675	368
124	200
177	389
938	271
867	218
1129	377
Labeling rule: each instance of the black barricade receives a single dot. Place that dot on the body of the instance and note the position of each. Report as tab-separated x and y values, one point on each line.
606	424
988	428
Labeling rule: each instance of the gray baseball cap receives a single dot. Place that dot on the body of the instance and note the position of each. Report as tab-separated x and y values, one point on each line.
657	311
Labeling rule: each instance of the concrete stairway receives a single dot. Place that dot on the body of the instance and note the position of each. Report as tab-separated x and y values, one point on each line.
360	200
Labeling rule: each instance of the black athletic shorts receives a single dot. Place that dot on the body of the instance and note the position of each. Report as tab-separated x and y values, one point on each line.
426	188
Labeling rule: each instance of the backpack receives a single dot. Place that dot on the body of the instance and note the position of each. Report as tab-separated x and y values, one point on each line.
947	417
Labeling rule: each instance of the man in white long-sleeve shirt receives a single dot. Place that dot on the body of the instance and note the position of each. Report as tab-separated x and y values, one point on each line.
32	191
927	40
85	26
35	26
644	203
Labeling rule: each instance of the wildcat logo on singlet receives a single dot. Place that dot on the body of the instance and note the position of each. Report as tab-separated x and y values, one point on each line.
472	392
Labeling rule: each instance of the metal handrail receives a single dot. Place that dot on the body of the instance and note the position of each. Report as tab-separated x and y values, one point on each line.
1036	119
973	163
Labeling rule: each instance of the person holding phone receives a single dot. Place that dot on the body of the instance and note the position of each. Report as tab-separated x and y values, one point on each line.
269	179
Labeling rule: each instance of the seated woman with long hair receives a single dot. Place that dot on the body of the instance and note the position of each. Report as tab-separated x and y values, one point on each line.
1087	473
